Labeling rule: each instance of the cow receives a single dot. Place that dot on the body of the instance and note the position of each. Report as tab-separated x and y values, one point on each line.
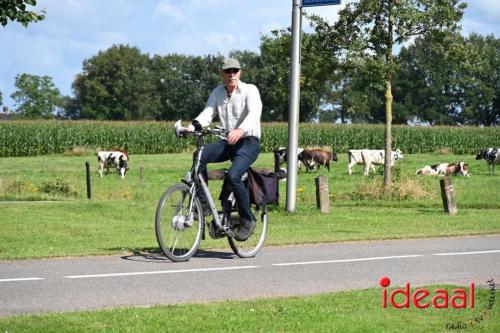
444	169
311	157
115	158
282	157
370	158
492	157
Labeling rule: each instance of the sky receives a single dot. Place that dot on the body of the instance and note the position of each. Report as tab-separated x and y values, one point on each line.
75	30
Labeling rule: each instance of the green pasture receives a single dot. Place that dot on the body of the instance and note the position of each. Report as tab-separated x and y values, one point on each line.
120	217
349	311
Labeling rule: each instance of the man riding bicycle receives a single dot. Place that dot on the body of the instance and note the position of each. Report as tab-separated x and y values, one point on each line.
239	107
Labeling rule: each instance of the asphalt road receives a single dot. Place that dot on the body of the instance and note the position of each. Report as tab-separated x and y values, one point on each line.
67	284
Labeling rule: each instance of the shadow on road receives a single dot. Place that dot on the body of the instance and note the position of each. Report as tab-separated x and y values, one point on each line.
155	255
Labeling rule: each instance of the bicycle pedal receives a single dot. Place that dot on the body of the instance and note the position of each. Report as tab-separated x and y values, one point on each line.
228	232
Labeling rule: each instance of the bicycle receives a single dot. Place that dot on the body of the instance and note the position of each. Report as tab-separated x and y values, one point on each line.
180	221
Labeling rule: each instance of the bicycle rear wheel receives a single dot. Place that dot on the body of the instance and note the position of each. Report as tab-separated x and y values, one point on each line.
178	230
250	247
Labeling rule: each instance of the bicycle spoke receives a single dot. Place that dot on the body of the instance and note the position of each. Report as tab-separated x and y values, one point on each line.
177	236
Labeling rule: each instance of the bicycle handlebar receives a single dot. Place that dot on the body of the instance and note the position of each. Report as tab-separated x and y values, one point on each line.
182	131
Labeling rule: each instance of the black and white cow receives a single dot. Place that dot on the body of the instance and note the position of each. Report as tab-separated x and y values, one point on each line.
370	158
281	153
113	159
492	157
443	169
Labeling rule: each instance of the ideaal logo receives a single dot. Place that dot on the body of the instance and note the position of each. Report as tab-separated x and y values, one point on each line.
422	298
482	316
439	298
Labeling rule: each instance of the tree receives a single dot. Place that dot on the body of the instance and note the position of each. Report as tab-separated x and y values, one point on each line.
361	95
15	10
451	83
36	96
481	81
428	84
317	73
369	30
116	85
1	98
183	84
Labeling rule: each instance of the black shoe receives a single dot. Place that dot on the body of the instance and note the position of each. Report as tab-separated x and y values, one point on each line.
244	229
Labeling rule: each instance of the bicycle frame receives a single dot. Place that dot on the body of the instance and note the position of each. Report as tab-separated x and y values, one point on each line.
199	182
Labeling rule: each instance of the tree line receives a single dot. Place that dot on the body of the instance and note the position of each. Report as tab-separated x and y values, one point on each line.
446	79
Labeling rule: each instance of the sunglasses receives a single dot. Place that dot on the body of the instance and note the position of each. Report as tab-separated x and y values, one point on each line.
231	70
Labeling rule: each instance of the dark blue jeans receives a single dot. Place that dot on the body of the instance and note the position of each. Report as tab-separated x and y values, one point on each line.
243	154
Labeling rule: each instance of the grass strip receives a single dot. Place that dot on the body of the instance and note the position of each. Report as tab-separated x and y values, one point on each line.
349	311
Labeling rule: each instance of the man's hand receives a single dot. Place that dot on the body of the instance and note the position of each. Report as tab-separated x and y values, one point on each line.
235	135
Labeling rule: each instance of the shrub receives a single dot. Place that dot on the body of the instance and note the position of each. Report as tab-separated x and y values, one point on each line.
58	187
403	188
21	187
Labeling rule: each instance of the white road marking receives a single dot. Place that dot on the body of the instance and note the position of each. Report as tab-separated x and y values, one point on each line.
160	272
22	279
465	253
347	260
250	267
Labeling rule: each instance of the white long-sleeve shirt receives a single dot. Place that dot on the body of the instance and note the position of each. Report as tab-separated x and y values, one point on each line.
242	110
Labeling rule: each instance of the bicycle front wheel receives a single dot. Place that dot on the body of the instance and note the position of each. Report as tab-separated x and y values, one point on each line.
179	227
250	247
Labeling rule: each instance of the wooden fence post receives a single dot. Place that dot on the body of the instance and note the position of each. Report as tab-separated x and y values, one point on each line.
322	194
141	175
89	190
448	196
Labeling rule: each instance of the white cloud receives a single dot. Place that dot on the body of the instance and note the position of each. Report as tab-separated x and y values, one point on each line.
220	40
482	16
165	7
104	40
209	3
489	9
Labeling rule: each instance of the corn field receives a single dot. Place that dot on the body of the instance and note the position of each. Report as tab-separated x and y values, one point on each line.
31	138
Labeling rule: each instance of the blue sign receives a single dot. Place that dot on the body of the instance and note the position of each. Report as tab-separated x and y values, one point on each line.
312	3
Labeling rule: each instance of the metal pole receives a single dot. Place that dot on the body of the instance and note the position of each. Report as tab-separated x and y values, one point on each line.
293	113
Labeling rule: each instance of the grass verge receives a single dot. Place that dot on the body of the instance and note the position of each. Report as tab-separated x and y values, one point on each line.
349	311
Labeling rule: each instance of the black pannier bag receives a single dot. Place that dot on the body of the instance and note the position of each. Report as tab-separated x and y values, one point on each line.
263	187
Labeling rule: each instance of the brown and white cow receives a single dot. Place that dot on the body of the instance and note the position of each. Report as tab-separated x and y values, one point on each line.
444	169
369	158
115	158
492	157
311	157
